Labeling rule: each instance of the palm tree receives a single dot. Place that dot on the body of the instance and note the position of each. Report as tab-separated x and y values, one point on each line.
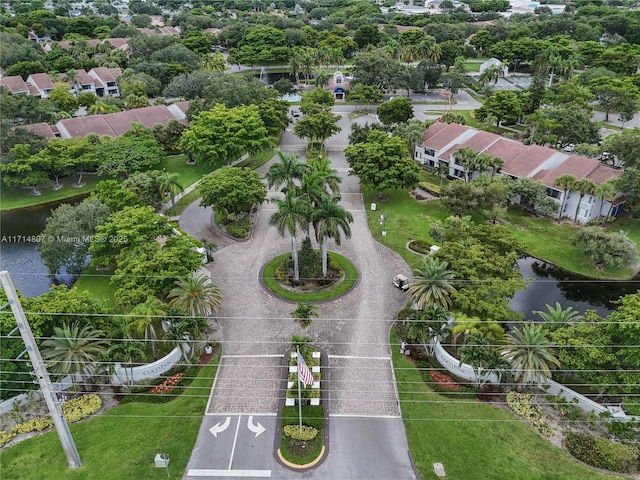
442	170
430	323
142	319
530	353
556	317
179	333
325	176
480	352
432	284
606	191
583	187
286	171
467	159
195	295
566	183
491	75
209	248
303	313
329	218
127	352
73	350
169	182
292	213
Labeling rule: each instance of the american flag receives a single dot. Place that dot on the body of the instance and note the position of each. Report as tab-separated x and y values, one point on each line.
304	374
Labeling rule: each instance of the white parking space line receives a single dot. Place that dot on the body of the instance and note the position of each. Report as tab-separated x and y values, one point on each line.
206	472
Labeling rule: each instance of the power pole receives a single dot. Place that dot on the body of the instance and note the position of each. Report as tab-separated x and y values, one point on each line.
40	371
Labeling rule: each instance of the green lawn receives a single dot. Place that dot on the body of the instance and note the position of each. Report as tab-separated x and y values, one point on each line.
121	443
257	160
475	440
188	173
11	199
184	202
97	283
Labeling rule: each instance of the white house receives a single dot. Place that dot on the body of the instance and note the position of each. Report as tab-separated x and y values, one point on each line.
441	140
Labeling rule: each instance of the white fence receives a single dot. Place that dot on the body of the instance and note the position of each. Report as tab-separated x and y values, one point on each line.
122	376
466	372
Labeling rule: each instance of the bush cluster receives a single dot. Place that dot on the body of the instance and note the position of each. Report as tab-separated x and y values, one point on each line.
74	410
239	228
141	395
602	453
521	405
425	365
420	246
312	415
430	187
307	433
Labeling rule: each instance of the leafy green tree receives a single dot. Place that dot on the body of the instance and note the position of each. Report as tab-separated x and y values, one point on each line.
115	196
196	295
382	162
23	169
291	214
316	100
624	146
222	134
533	196
317	127
303	313
502	105
146	186
605	248
572	125
432	284
73	350
376	67
398	110
134	151
63	99
623	328
329	219
364	94
235	91
613	93
68	234
232	189
461	197
530	353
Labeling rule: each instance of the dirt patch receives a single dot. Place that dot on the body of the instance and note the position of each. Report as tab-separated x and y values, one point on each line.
420	195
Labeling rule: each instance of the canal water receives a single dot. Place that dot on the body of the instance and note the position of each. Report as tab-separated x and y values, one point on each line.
549	284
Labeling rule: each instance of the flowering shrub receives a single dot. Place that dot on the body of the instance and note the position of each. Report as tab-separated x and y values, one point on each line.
307	433
169	384
521	405
73	411
602	453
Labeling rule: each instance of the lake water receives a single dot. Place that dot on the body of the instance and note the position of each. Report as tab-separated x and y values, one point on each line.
19	257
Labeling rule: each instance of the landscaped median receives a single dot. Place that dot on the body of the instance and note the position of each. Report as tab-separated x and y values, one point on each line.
302	433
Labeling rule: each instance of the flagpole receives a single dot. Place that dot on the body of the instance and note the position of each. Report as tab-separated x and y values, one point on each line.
299	396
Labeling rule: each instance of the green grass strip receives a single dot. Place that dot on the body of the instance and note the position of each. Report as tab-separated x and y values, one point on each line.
121	443
270	282
475	440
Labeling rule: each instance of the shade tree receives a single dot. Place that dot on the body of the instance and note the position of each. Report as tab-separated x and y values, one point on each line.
232	189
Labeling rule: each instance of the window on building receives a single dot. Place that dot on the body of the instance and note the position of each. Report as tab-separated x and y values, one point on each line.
430	152
553	193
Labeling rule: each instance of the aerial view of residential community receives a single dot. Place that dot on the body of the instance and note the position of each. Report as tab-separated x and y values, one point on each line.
322	240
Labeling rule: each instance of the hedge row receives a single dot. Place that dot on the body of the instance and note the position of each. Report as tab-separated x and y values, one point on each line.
430	188
602	453
74	410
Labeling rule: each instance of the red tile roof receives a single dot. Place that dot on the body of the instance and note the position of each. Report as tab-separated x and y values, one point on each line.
603	173
506	149
445	135
40	81
527	161
15	84
106	74
43	129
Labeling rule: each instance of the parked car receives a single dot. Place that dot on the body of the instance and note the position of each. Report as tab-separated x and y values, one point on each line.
295	113
402	282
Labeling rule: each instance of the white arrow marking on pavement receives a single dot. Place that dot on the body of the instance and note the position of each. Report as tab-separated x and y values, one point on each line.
217	428
257	429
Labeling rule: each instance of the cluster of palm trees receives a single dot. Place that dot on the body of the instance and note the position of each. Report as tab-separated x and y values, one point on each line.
472	161
605	191
526	352
311	198
305	59
84	351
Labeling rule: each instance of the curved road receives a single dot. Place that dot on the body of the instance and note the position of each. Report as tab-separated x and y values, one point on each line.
256	329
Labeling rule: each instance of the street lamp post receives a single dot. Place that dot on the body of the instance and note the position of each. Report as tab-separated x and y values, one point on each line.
383	222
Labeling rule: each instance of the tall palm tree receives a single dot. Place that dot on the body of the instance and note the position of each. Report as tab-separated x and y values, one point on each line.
127	352
428	324
286	171
565	182
303	313
325	175
329	218
142	319
530	353
606	191
195	295
468	160
169	182
481	353
442	170
556	317
73	350
583	187
292	213
179	333
432	284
